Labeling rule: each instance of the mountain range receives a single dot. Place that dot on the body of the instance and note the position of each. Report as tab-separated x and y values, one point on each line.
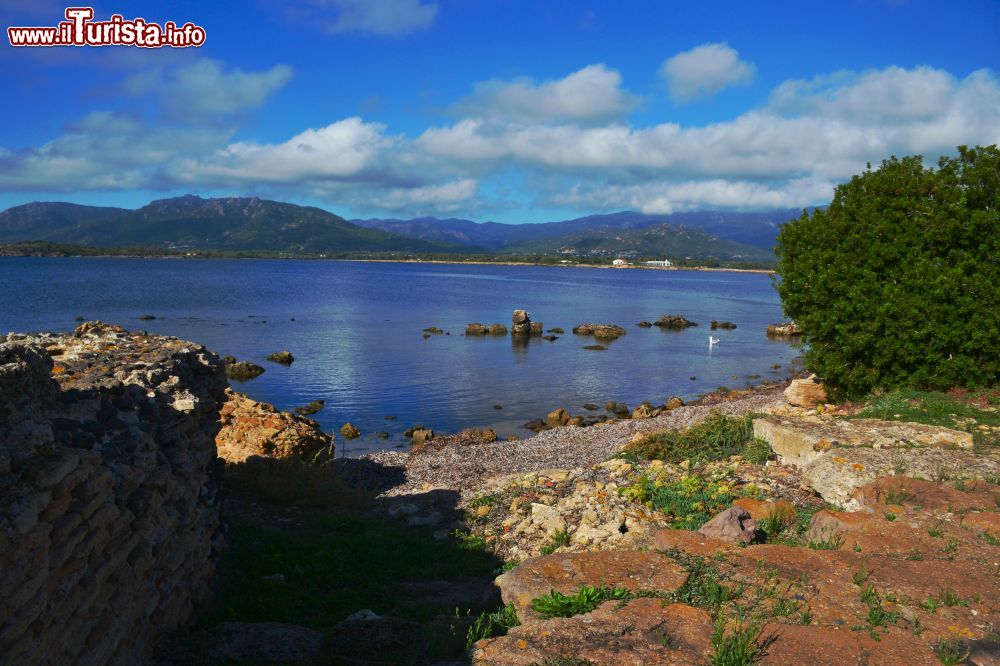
253	224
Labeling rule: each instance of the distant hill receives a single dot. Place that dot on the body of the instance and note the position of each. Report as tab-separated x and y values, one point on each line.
250	224
232	224
658	240
757	229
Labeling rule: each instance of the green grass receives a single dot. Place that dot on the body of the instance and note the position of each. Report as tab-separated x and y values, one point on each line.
938	409
691	501
334	567
740	646
584	600
489	624
716	438
951	652
559	539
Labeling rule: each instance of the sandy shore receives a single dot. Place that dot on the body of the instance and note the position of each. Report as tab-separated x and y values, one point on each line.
531	263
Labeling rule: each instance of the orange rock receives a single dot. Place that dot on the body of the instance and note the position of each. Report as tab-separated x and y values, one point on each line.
636	633
690	542
566	572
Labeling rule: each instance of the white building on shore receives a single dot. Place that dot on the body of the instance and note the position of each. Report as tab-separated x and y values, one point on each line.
665	263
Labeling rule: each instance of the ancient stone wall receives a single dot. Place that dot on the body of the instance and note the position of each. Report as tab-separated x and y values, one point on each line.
109	521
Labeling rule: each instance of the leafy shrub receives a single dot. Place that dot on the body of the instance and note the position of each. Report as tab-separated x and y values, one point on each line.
716	438
691	500
586	599
895	282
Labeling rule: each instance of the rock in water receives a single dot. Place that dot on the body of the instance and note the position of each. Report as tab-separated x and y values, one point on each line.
785	329
557	417
521	324
600	331
673	322
734	525
242	371
724	325
421	435
475	329
497	329
807	392
282	357
349	431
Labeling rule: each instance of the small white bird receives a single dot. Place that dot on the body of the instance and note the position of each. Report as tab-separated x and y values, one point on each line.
712	341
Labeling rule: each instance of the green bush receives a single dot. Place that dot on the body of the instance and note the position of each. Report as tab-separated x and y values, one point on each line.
716	438
895	283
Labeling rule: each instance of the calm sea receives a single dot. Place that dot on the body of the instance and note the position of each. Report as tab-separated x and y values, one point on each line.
355	330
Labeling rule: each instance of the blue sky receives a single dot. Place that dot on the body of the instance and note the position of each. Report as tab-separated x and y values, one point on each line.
493	109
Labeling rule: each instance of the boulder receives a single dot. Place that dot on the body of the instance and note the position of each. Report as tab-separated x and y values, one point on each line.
242	371
349	431
282	357
632	633
645	324
784	330
673	402
644	411
475	329
600	331
836	475
433	330
251	428
734	525
723	325
807	392
497	329
557	417
421	435
556	330
673	322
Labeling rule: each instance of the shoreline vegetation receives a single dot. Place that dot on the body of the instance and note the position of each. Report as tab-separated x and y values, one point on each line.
48	249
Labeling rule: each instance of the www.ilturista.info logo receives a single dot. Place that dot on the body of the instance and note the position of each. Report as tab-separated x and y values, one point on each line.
79	29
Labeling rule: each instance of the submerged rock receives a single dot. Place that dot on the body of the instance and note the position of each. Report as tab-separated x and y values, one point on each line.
311	408
595	347
723	325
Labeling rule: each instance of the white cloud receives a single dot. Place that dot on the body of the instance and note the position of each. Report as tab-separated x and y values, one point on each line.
104	151
344	149
705	70
592	94
205	87
451	196
380	17
788	153
660	197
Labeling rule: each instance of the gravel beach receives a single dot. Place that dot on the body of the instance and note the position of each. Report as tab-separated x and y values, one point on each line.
463	468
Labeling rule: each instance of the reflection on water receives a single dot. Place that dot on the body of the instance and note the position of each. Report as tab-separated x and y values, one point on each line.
356	332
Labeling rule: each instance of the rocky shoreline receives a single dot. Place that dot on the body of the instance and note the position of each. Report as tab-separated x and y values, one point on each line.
782	527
